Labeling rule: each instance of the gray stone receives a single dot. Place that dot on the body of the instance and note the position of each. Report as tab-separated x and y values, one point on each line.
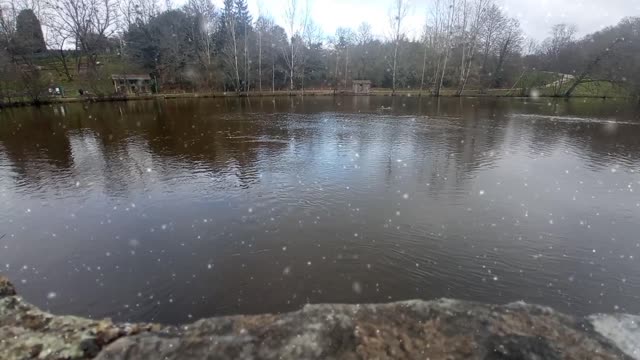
6	287
622	329
27	332
440	329
443	329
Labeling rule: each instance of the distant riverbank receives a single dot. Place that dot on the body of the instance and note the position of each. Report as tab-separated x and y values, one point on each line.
279	93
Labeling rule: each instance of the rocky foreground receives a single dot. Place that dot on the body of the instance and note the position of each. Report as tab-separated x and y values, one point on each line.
441	329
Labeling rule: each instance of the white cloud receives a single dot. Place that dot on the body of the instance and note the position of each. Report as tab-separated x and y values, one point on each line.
536	16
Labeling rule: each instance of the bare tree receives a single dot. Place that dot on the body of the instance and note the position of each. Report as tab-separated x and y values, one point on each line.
531	46
334	41
204	22
246	23
8	15
344	39
425	40
230	49
470	42
266	54
260	29
311	37
561	36
8	68
449	23
397	14
493	22
18	64
272	41
88	21
37	6
432	39
138	11
364	34
592	65
510	41
7	76
363	40
296	20
58	41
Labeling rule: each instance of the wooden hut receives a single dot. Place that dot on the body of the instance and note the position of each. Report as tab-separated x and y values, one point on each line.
131	84
361	87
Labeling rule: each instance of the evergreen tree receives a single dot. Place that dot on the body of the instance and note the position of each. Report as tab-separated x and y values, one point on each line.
228	12
28	38
222	35
243	17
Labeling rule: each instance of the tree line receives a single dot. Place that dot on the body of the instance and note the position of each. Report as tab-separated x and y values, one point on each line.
464	45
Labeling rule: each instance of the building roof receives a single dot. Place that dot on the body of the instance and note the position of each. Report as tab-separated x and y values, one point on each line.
130	77
362	81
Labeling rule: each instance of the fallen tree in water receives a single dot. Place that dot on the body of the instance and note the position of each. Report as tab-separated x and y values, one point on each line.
440	329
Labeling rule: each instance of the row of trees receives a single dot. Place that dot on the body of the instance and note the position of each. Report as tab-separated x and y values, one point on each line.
464	44
611	55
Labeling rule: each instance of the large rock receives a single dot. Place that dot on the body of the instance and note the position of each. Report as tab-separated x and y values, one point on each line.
27	332
6	287
441	329
622	329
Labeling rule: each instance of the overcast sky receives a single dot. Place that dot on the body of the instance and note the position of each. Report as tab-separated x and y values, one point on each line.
536	16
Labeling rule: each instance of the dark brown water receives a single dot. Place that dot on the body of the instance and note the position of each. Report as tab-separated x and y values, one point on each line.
174	210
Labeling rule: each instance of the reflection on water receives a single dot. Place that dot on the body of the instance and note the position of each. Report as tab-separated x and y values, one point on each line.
167	211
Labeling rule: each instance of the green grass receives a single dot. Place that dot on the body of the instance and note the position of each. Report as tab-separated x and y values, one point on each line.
588	89
537	79
52	71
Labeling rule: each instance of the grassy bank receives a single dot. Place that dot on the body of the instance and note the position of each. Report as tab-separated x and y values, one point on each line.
547	85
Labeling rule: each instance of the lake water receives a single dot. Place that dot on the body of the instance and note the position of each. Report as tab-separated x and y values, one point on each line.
174	210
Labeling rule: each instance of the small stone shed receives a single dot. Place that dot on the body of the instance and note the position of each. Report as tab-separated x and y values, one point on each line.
361	87
131	83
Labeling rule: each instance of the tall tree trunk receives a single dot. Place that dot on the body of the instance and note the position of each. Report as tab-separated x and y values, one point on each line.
466	77
235	58
485	57
395	64
260	59
444	69
248	76
497	77
400	11
462	63
468	70
447	49
336	74
247	72
346	68
291	65
435	77
231	25
464	42
424	68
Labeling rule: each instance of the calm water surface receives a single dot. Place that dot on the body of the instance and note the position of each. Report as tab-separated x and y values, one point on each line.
174	210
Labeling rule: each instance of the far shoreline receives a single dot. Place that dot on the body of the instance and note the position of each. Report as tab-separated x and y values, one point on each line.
279	93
